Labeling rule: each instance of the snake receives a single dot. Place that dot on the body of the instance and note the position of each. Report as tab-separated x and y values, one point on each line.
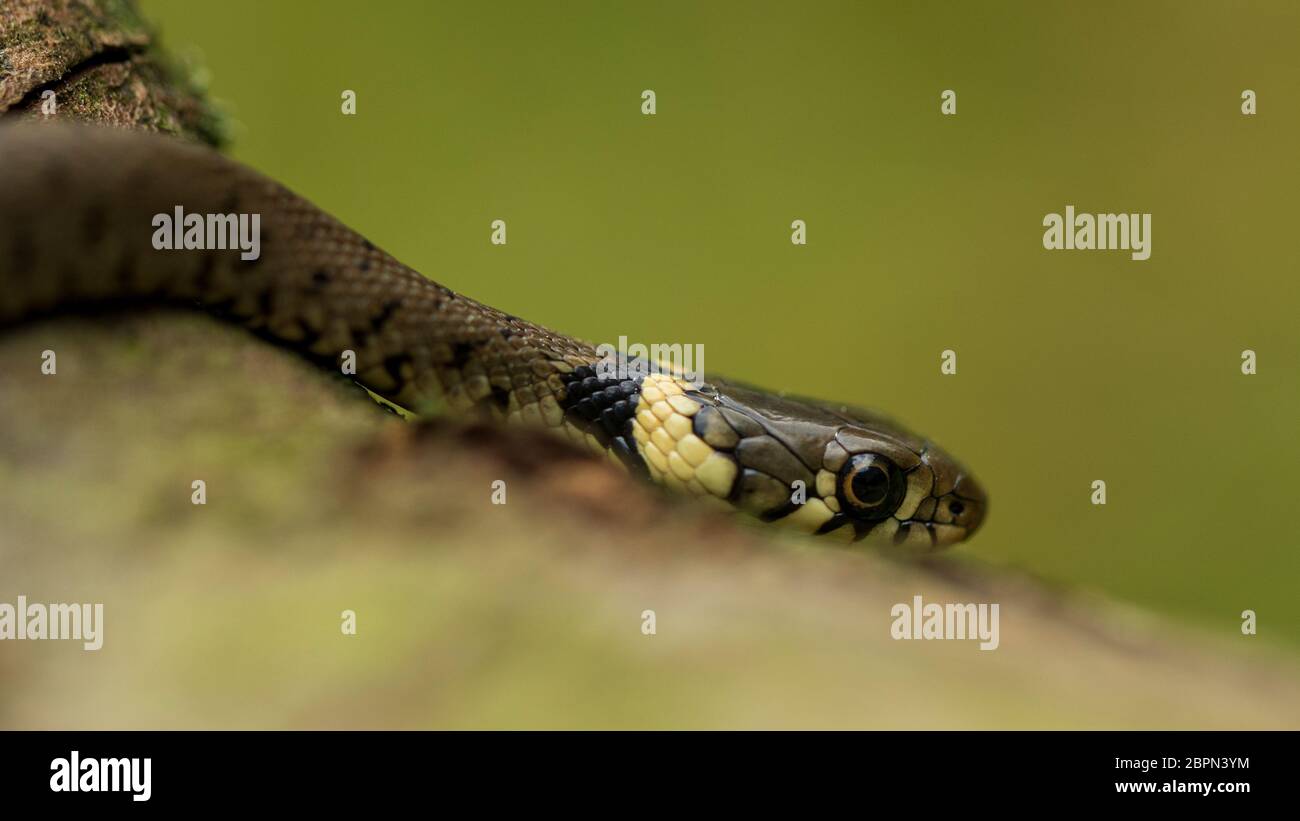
79	226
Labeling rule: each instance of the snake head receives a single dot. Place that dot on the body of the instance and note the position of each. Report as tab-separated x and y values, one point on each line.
830	470
896	489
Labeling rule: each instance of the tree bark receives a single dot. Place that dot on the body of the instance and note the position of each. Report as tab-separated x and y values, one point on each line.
98	61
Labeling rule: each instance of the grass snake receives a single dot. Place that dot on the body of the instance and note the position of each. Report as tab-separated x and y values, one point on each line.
76	225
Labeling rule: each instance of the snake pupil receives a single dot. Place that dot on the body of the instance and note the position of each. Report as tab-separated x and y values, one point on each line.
870	486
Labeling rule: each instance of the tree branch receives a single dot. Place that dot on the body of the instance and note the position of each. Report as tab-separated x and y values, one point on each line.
103	64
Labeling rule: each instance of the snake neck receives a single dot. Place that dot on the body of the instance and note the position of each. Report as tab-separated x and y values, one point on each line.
79	231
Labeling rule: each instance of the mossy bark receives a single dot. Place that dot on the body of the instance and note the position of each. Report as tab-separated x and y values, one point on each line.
101	62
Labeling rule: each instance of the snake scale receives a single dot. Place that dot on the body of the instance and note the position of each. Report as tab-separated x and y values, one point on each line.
77	206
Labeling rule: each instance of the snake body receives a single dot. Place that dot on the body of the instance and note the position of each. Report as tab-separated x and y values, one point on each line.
77	209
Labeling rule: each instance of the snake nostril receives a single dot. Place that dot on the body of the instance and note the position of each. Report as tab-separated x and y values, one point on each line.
956	507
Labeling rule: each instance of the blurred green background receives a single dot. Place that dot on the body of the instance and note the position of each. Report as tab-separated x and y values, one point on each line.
924	230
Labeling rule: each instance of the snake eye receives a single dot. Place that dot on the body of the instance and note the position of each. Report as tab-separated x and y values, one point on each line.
871	487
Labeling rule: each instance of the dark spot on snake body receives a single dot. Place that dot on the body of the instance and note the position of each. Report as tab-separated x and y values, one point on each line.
501	396
393	364
310	336
386	311
590	396
779	513
833	523
320	278
461	353
862	528
363	265
367	244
